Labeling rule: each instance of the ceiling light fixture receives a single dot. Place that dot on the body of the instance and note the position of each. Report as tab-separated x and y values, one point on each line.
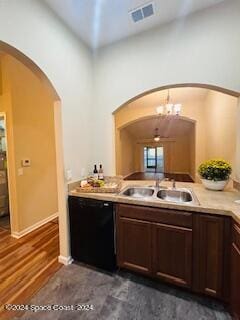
156	136
169	108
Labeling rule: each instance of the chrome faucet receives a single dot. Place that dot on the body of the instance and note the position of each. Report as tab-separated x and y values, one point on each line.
173	184
157	183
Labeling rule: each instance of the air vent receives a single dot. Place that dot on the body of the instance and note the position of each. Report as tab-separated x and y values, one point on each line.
143	12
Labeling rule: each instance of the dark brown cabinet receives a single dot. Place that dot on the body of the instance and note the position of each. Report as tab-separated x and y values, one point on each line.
208	254
152	246
235	273
172	254
191	250
134	245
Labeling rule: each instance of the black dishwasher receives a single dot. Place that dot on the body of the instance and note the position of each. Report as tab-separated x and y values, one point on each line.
92	232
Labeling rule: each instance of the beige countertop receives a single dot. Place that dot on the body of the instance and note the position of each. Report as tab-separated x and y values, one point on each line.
212	202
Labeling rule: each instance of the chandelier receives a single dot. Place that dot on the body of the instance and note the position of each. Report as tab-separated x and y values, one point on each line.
169	108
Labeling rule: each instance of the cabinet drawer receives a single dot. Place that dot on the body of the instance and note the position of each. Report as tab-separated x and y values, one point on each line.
159	215
236	236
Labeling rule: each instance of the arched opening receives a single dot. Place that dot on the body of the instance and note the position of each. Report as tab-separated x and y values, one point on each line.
179	85
34	132
207	127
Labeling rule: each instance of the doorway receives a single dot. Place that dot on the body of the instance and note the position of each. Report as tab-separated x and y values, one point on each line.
4	194
154	159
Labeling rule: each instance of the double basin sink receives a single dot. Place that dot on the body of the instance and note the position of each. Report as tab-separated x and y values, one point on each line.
176	195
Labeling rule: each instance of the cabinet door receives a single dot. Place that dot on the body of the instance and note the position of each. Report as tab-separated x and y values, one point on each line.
172	254
208	254
134	245
235	275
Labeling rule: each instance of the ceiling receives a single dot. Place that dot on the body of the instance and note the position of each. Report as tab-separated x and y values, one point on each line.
167	128
100	22
183	95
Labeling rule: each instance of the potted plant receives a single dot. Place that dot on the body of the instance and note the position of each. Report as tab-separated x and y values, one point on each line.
215	173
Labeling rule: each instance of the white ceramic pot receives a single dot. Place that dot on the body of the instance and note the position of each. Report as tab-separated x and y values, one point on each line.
214	185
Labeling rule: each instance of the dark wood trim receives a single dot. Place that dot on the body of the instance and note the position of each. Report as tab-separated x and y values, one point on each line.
235	272
159	215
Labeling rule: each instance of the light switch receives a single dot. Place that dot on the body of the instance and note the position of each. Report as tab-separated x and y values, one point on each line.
26	162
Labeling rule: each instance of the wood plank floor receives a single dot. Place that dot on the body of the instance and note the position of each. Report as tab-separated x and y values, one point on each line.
153	176
26	264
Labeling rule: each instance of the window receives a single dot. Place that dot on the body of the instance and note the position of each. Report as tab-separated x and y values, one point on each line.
153	159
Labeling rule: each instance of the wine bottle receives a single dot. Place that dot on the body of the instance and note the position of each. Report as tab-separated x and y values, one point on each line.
95	172
100	173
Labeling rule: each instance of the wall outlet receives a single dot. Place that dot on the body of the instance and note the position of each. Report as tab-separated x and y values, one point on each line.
83	172
69	175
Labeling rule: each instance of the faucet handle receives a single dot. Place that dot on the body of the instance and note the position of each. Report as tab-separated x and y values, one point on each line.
173	183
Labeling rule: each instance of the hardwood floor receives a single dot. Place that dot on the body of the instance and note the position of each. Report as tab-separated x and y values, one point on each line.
26	264
152	176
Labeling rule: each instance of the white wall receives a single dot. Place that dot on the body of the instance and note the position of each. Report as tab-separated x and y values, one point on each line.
204	48
30	27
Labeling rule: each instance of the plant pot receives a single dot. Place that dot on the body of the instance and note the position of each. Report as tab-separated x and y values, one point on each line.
214	185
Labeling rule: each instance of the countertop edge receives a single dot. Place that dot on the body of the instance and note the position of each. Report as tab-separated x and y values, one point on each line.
116	198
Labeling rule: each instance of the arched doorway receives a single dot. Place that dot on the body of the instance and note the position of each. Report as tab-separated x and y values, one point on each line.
13	172
207	106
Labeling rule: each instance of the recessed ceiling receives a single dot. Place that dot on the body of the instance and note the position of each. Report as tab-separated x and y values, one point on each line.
100	22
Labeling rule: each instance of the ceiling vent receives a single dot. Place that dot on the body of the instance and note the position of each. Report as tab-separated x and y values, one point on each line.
143	12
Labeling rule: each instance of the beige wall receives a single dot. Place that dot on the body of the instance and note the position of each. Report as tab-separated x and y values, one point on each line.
30	127
177	154
237	159
127	153
0	75
221	125
214	114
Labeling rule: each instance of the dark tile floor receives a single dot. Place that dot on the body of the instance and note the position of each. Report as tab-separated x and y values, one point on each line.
121	296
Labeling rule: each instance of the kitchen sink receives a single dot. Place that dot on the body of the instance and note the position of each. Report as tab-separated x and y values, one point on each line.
173	195
176	195
138	192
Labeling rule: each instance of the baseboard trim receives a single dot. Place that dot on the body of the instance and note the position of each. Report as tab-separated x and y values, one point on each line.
65	260
38	224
